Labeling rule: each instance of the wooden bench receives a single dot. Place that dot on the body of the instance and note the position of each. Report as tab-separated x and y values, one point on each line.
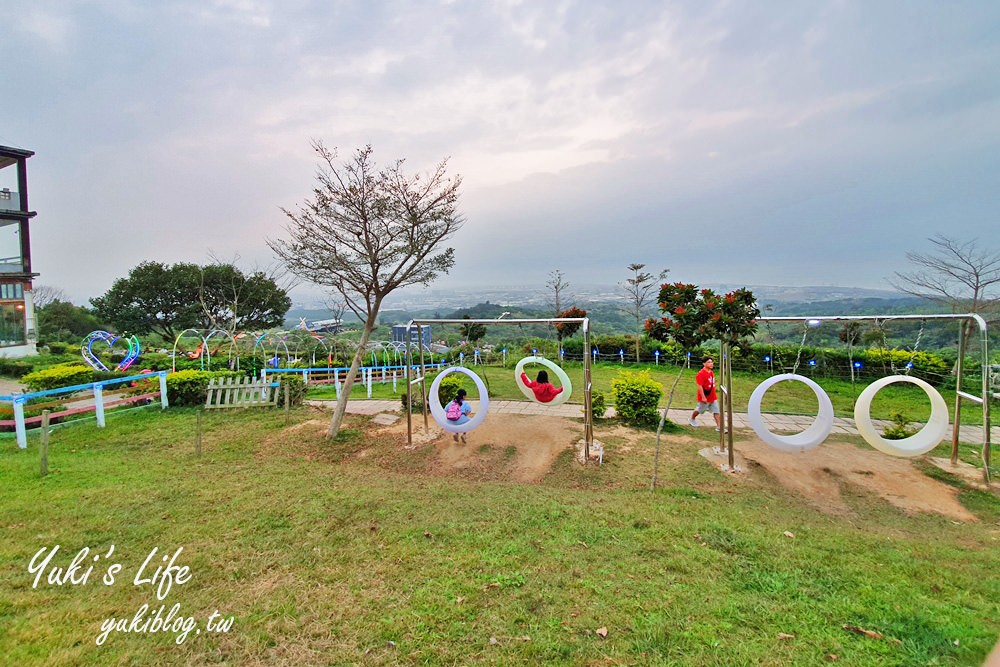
240	392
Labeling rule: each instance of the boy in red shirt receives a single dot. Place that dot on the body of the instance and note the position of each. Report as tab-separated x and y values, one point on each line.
708	401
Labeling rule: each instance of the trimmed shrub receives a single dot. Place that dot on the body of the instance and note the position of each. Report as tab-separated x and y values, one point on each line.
637	396
57	347
63	375
416	406
449	387
14	367
296	389
598	405
190	388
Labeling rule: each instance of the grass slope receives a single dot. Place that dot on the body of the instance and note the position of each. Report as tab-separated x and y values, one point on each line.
361	552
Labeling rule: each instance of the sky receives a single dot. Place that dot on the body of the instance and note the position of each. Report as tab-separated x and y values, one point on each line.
777	143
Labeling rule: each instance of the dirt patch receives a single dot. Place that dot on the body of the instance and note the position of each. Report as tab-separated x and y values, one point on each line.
820	475
523	446
969	474
9	386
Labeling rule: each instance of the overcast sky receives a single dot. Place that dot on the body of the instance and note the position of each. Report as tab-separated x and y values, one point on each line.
798	143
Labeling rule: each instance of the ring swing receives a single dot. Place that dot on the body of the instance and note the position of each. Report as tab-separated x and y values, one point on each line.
927	438
438	411
798	442
564	381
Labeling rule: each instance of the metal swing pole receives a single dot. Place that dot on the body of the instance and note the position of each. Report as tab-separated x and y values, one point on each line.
409	398
588	424
962	328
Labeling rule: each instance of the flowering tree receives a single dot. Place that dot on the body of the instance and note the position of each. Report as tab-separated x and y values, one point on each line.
693	316
569	329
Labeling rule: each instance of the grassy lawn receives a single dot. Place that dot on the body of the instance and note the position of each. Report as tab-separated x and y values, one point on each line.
362	552
786	397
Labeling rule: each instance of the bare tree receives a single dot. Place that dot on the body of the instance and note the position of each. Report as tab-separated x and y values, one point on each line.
369	231
559	285
639	292
43	295
959	274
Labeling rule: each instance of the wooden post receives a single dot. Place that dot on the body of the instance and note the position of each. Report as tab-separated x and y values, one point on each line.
197	438
43	445
164	403
19	428
288	403
99	404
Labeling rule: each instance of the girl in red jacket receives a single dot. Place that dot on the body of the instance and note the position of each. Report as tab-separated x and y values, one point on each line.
543	389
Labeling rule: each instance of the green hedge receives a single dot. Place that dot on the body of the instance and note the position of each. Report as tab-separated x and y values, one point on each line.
63	375
190	388
637	396
875	362
296	389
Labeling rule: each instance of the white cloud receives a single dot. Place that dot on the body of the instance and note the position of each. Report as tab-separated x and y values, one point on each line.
51	28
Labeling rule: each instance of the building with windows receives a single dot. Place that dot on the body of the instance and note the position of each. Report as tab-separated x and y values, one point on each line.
18	333
418	334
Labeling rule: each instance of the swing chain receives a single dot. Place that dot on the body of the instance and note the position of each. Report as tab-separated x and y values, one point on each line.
916	344
798	355
885	345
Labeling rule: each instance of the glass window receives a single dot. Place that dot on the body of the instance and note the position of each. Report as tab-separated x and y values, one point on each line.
11	324
10	247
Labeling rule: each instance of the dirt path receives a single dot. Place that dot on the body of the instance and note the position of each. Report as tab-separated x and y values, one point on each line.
822	475
536	442
9	386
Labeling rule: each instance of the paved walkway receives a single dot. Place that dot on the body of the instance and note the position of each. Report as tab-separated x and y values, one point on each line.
776	422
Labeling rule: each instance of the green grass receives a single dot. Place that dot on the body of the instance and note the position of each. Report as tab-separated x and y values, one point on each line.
786	397
362	552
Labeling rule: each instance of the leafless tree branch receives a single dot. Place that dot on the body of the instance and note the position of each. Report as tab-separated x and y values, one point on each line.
366	232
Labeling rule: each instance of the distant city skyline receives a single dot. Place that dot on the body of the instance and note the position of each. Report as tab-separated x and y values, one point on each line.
780	143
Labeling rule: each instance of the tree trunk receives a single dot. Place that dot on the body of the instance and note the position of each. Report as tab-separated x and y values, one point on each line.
663	419
345	392
638	333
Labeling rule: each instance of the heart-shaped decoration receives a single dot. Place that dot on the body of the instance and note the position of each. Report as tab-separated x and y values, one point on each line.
88	353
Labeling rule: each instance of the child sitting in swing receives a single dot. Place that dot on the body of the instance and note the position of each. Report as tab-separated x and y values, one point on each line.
458	412
543	389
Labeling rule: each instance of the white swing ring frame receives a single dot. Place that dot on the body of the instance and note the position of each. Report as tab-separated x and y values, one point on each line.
564	381
438	412
926	439
797	442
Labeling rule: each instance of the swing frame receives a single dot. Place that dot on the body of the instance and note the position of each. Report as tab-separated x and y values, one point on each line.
965	320
588	424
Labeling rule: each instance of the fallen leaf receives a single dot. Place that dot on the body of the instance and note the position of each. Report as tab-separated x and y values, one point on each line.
493	641
459	600
602	632
428	535
832	657
789	534
494	584
785	635
574	613
525	638
391	644
862	631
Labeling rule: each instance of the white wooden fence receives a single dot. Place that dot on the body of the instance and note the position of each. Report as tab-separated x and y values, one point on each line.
240	392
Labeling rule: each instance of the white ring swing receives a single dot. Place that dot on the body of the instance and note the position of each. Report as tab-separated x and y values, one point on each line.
798	442
438	412
567	386
921	442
